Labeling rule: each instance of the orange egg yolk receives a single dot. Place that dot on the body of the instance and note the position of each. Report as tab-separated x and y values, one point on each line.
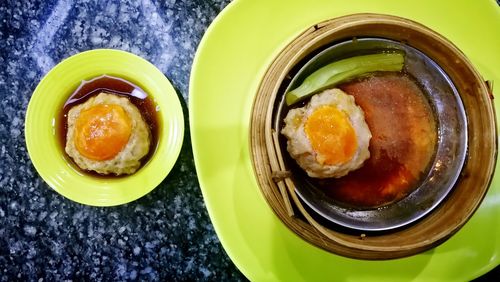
331	135
102	131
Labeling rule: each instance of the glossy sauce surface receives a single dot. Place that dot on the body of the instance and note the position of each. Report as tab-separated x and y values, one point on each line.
117	86
404	136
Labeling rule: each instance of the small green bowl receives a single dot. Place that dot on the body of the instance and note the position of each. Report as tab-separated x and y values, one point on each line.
47	154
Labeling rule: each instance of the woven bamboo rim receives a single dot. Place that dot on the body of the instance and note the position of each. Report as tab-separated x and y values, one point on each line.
279	190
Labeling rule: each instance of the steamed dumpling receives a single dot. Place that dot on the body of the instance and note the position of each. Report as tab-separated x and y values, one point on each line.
107	134
328	137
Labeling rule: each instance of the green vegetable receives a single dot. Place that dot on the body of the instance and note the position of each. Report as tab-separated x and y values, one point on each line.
344	70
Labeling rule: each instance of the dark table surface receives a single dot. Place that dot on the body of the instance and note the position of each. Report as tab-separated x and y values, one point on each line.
166	235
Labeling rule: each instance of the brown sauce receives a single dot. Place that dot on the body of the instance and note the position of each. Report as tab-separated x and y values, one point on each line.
117	86
404	136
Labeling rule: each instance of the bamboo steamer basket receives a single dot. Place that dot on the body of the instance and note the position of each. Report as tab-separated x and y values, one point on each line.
278	188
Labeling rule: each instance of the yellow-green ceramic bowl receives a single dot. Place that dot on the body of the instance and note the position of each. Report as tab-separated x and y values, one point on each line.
45	149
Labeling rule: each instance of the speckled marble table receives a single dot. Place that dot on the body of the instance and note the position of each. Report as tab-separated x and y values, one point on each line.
165	235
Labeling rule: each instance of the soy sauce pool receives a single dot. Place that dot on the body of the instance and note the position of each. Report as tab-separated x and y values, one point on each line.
117	86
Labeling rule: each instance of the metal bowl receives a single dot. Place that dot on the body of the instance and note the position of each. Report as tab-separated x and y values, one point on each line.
450	151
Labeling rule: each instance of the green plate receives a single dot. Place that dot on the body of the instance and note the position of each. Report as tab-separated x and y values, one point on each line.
47	154
230	62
